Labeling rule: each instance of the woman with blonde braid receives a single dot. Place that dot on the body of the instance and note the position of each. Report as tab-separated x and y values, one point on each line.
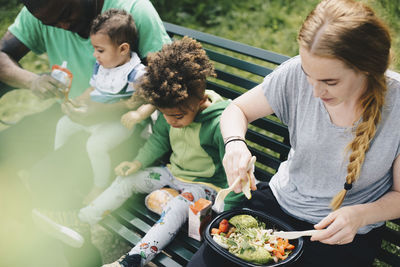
342	107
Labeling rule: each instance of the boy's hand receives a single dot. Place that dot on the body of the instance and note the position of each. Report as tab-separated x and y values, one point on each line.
130	118
127	167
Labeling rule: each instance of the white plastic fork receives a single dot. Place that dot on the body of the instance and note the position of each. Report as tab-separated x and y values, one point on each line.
219	200
294	234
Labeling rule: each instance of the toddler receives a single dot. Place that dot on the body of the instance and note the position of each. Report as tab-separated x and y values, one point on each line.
113	36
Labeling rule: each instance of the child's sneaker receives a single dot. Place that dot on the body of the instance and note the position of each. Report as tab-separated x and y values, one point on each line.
127	261
64	226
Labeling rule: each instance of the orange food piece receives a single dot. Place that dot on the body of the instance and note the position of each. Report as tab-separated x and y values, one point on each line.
215	231
224	225
279	255
290	247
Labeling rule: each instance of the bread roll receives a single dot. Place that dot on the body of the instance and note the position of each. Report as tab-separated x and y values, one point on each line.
158	199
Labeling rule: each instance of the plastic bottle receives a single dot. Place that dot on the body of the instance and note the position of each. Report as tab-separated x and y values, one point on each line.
64	75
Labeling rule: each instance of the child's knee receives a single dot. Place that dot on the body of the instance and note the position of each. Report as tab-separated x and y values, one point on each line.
122	185
187	195
177	210
94	147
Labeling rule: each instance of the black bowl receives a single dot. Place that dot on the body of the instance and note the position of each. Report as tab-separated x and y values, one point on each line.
270	222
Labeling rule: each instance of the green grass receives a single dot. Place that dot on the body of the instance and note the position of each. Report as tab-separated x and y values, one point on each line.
271	25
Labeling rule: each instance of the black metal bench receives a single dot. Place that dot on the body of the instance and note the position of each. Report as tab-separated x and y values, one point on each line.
239	68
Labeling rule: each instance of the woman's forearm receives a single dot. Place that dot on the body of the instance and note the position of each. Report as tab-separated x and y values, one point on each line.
233	122
243	110
385	208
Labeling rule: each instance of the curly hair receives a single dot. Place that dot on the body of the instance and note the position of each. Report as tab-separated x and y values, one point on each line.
118	25
176	75
351	32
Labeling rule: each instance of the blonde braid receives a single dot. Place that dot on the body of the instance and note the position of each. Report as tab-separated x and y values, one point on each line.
371	104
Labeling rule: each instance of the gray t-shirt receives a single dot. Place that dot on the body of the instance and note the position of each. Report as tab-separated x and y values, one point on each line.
316	167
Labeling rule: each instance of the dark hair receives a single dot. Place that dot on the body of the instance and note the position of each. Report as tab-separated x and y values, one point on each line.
351	32
177	75
34	5
118	25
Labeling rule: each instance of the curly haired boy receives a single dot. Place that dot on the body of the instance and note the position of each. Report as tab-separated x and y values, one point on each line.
175	83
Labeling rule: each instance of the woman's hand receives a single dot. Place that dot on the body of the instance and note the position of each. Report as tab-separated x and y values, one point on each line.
340	226
126	168
236	160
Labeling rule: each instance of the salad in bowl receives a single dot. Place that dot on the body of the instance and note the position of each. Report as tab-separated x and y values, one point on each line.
246	237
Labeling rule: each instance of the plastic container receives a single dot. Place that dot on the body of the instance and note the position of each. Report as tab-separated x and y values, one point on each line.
270	222
63	75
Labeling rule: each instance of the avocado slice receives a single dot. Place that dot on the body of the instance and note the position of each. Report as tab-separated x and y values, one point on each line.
258	255
243	221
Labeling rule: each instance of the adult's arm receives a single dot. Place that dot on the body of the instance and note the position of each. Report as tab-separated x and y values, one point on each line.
234	120
342	225
11	51
11	73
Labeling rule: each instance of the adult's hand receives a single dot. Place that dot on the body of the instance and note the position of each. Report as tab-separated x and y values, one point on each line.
340	226
236	159
45	86
11	73
126	168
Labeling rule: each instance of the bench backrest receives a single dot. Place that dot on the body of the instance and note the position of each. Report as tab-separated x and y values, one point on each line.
239	68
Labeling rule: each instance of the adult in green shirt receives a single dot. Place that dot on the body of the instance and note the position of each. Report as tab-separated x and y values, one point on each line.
61	29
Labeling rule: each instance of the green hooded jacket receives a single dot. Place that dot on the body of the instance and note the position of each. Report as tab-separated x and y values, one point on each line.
197	149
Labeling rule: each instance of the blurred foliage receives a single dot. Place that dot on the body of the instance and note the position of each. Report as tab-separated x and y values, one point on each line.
205	12
389	11
8	10
268	24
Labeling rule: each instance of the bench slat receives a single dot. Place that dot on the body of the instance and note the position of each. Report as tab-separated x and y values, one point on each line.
266	141
266	159
235	79
222	90
111	224
238	63
134	222
244	49
262	175
388	258
391	236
